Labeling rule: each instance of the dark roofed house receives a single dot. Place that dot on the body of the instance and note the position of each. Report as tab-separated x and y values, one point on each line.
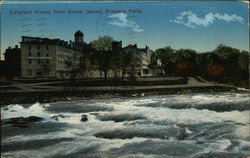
11	66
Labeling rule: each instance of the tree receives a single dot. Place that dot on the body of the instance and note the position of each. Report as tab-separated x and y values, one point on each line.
187	57
229	60
216	72
225	52
127	63
154	63
103	43
163	59
184	68
103	54
243	60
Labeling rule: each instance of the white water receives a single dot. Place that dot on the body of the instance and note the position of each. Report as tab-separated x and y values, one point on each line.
115	125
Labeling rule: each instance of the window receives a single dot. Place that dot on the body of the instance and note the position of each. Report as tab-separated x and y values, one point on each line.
30	61
30	71
29	47
38	54
29	53
38	61
145	71
39	73
38	47
47	47
47	61
47	54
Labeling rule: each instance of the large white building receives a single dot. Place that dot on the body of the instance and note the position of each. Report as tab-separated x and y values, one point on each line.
55	58
141	59
48	58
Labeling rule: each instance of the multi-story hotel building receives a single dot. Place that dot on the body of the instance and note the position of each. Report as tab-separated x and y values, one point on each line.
49	58
55	58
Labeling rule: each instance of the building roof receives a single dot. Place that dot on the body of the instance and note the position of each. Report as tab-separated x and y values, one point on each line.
135	47
38	40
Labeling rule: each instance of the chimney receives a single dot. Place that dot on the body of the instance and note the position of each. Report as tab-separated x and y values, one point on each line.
16	46
71	44
135	45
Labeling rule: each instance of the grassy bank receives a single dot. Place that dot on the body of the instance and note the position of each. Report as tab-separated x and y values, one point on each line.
112	82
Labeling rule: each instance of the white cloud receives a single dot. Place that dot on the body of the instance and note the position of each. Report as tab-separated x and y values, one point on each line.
191	20
245	1
121	20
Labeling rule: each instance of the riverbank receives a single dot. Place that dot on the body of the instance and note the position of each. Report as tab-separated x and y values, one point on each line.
46	92
47	96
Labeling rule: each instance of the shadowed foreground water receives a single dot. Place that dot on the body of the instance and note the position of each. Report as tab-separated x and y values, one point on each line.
193	125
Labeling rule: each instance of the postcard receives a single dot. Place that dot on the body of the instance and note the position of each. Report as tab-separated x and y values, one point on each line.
124	79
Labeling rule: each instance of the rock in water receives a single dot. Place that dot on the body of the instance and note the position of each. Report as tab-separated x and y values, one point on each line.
56	117
24	122
84	118
142	94
34	119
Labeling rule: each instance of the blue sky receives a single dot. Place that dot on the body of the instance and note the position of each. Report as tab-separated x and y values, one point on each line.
181	24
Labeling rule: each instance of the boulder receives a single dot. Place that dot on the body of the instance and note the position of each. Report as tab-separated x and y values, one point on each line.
84	118
23	122
56	117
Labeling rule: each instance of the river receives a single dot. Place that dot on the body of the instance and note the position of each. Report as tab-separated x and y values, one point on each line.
191	125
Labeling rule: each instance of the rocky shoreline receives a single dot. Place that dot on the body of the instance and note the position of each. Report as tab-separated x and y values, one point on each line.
23	97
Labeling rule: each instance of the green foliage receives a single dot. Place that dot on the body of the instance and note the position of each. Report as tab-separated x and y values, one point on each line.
162	59
225	52
103	43
186	54
127	64
243	60
235	63
103	54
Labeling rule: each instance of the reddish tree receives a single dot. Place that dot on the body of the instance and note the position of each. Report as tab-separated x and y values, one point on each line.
184	68
216	72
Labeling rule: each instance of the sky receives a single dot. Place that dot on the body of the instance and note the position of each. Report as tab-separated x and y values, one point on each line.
198	25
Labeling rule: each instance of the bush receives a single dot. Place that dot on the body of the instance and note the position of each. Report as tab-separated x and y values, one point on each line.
216	73
184	68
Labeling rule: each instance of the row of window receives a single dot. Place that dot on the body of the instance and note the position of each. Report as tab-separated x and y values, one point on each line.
38	54
63	49
38	47
38	61
64	62
63	56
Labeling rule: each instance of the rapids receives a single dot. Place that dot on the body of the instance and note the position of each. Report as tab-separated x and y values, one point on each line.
191	125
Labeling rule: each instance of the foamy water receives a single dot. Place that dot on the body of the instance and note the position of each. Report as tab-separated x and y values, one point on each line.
194	125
